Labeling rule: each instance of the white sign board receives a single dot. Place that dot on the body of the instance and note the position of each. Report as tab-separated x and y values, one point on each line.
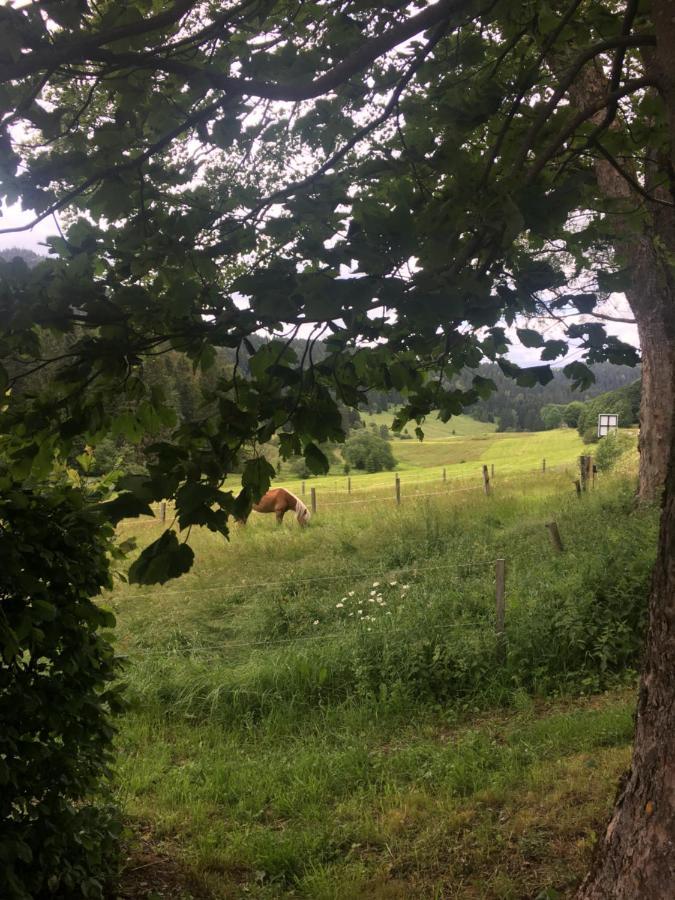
607	422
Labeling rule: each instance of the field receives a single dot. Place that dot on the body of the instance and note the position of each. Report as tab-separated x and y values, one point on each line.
329	712
463	458
460	426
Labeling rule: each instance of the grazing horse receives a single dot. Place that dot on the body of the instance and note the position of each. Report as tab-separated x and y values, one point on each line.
280	501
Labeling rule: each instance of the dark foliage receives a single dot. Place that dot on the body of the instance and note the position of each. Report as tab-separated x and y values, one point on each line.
56	696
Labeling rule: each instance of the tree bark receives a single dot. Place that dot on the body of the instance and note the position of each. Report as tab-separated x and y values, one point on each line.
652	300
645	244
636	858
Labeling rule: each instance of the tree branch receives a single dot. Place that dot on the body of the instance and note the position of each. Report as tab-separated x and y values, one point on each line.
630	87
633	40
290	91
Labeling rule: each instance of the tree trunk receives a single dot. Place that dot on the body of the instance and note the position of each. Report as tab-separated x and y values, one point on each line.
636	858
645	244
652	299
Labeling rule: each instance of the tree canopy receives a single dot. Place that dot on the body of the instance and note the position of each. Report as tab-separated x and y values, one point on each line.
223	170
410	183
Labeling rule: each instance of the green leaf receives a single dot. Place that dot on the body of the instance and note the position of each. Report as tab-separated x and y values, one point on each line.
257	476
316	460
580	375
554	349
534	375
164	559
529	338
126	506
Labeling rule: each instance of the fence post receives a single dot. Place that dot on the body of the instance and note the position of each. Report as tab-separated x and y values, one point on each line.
543	465
398	491
554	534
500	607
585	471
577	485
349	485
444	476
162	511
492	470
486	481
303	488
313	499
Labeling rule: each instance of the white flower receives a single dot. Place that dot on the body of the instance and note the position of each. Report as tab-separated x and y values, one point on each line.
371	599
339	605
376	584
351	613
388	613
315	622
370	629
404	587
360	612
393	583
342	599
350	594
372	593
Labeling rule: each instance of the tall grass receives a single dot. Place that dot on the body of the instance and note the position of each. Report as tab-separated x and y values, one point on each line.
397	609
281	743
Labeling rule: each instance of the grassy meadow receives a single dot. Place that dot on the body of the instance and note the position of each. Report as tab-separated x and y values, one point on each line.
329	712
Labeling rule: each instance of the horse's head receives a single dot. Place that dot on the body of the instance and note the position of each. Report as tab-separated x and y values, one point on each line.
303	515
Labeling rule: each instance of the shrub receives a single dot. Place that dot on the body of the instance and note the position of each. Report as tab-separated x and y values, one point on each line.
625	402
369	452
552	416
610	449
56	696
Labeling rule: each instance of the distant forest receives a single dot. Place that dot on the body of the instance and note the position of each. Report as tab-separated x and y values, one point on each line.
511	407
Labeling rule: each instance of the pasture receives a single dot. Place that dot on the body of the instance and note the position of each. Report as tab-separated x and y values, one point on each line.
327	713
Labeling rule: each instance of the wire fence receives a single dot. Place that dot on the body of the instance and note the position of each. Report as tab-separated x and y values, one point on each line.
398	483
386	574
186	651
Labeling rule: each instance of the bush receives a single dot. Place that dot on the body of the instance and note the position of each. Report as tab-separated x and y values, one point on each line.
625	402
56	697
369	452
552	416
610	449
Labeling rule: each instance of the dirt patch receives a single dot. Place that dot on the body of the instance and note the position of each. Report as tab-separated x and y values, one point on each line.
151	872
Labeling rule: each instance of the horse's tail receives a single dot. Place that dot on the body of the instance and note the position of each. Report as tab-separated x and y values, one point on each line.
302	514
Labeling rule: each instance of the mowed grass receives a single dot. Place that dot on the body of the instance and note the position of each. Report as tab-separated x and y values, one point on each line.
280	743
461	457
433	427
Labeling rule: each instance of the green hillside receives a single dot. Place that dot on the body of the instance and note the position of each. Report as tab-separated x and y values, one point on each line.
433	428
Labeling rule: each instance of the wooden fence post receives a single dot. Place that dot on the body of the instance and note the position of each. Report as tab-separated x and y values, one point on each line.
349	485
577	485
162	511
492	470
444	476
303	488
398	491
313	499
585	467
486	481
554	534
543	465
500	607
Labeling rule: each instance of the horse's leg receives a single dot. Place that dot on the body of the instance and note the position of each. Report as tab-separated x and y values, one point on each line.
280	515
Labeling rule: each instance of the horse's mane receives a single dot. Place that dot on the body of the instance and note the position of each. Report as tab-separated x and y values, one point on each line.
301	511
